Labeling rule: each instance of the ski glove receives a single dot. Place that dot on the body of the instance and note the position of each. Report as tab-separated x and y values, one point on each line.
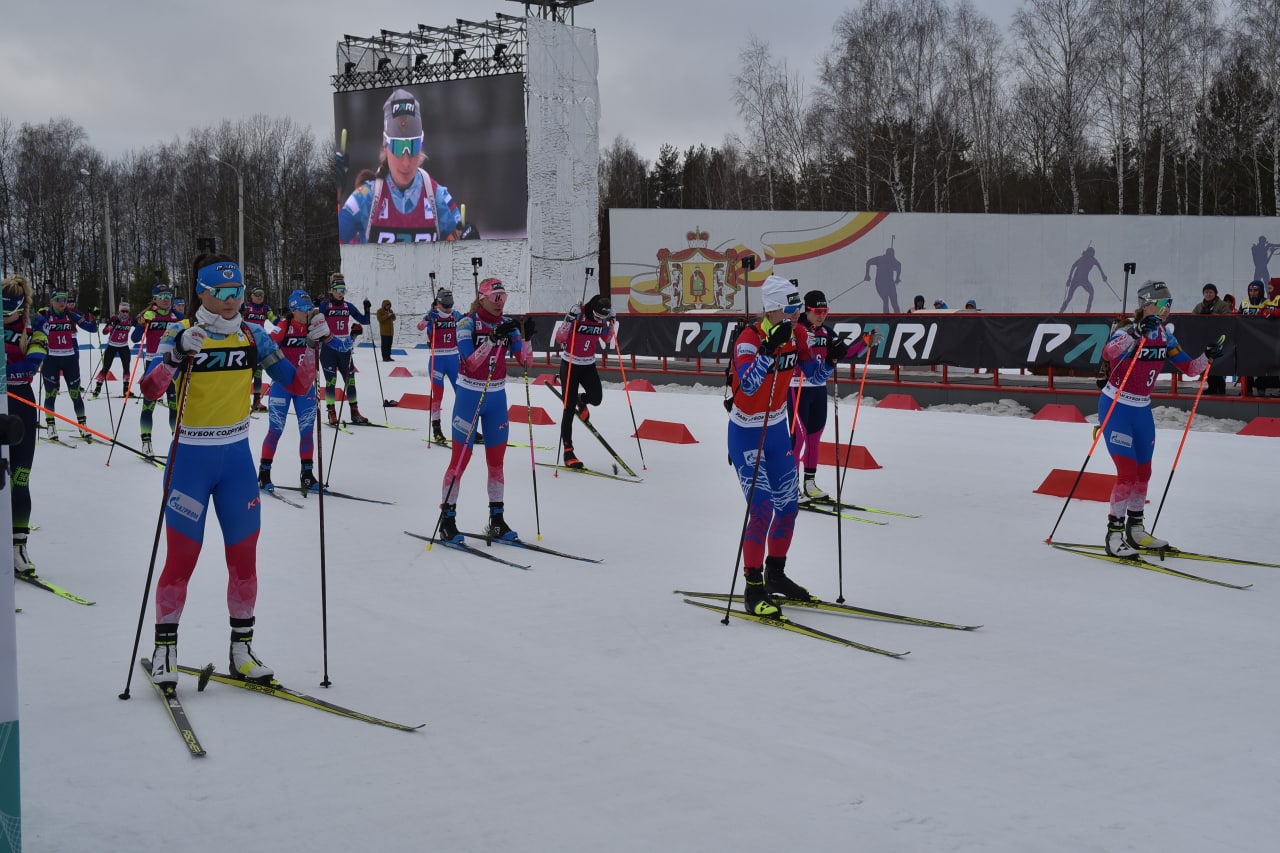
502	332
367	305
1149	324
573	314
836	350
874	339
422	324
317	330
530	326
777	336
1214	350
190	341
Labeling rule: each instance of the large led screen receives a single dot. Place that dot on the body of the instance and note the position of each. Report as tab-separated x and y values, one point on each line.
462	141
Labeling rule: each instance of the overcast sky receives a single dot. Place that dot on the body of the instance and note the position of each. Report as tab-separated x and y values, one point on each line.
135	73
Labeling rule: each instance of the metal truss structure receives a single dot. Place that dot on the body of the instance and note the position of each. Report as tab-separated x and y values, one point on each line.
468	49
551	10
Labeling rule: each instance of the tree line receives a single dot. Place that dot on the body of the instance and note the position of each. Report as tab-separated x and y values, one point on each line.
1093	106
58	194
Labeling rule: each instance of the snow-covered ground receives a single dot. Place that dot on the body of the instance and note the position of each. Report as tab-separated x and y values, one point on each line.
582	707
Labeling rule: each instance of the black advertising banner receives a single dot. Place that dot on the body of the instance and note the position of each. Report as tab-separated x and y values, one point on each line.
967	339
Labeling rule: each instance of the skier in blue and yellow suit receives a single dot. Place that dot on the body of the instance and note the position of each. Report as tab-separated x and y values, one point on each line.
210	462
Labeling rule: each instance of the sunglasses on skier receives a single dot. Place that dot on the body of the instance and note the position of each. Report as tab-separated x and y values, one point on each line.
399	147
224	292
1161	304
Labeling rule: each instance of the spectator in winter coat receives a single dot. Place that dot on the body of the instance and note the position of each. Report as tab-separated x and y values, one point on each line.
386	328
1212	305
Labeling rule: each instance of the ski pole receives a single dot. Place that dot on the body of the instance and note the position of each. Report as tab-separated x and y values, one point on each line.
533	465
1097	435
853	427
627	389
128	391
835	405
106	438
1190	418
164	503
751	493
324	589
377	365
111	414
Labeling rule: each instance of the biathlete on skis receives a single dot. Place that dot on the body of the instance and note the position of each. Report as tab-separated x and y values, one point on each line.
211	463
25	350
765	357
485	338
1130	433
151	327
585	328
291	337
807	401
117	328
441	326
257	312
59	325
335	356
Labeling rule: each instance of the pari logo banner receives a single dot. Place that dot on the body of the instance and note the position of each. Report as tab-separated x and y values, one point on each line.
713	338
1068	343
965	339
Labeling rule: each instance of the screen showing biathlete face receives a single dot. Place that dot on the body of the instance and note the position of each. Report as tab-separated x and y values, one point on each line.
472	136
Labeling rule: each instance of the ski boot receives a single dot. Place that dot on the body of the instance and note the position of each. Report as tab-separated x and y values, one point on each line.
570	459
244	663
257	404
1139	537
97	389
51	431
437	435
1117	543
356	417
583	412
498	528
307	478
164	660
448	531
21	564
811	490
332	412
84	432
146	446
264	477
776	581
756	599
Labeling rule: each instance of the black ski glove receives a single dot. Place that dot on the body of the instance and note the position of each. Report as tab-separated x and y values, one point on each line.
1214	350
777	336
502	332
836	350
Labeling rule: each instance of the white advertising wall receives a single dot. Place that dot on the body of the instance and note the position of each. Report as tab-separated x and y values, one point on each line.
673	261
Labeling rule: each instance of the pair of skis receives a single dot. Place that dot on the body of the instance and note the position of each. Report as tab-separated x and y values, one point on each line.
600	438
329	493
464	548
1098	552
783	622
40	583
169	696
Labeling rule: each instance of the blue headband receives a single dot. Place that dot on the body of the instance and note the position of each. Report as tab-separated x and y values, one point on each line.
220	274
